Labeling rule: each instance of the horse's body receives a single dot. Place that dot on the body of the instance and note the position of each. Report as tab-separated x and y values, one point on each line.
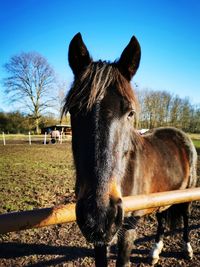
161	162
112	160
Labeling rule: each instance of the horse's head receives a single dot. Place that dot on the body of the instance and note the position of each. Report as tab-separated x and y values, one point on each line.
102	107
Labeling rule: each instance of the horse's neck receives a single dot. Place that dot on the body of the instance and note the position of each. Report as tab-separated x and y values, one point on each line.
130	183
136	142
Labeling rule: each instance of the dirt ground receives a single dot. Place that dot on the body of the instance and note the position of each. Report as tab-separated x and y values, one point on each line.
63	245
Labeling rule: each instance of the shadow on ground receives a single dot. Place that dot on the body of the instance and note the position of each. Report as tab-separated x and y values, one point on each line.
64	254
12	250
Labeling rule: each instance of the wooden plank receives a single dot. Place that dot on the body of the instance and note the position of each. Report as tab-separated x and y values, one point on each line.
16	221
139	202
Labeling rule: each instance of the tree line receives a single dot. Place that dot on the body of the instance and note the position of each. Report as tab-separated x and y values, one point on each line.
157	109
161	108
32	83
16	122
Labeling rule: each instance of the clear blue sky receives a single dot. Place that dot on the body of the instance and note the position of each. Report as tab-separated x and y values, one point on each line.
168	31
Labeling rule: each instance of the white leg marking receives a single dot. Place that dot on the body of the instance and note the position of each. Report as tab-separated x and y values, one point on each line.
188	249
155	252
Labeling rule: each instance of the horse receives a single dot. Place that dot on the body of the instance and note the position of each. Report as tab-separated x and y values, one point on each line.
113	160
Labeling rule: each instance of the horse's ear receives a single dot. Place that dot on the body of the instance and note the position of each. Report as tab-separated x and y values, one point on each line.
130	59
78	54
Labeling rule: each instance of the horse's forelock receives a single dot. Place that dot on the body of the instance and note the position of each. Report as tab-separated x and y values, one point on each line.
91	86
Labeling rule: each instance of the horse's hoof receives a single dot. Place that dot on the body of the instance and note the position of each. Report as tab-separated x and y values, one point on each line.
188	251
153	261
155	252
154	257
189	255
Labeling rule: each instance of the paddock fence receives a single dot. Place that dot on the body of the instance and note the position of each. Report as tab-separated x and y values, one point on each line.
16	221
32	139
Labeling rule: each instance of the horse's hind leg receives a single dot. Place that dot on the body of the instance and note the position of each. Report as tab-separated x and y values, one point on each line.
156	250
187	247
126	238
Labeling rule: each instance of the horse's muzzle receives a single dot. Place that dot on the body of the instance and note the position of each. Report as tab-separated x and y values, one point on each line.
99	223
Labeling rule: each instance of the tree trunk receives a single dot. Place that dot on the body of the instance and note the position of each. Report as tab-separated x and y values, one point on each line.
37	129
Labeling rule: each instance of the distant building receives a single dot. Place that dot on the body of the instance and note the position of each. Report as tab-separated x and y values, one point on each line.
62	128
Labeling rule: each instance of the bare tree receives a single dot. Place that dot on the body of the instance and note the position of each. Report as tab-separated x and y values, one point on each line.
161	108
61	92
195	119
30	82
185	114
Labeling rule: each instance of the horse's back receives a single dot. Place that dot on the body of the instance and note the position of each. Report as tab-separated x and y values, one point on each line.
184	145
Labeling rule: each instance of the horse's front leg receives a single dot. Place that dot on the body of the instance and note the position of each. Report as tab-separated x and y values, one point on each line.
126	237
101	256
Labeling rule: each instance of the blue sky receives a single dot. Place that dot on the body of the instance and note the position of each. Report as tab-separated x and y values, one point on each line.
168	32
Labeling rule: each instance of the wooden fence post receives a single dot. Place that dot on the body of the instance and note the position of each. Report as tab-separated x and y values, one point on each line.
29	138
45	138
4	139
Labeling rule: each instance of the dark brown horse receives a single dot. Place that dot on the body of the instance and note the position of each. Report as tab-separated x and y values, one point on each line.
112	160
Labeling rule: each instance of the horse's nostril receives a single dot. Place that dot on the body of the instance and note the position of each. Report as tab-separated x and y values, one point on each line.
119	201
101	231
115	201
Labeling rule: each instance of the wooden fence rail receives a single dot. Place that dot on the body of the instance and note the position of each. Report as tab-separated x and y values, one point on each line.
16	221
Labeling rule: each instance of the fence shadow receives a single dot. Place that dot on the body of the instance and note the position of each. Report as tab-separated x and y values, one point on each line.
13	250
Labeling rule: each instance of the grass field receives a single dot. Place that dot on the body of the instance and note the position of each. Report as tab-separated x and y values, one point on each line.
196	143
195	139
34	176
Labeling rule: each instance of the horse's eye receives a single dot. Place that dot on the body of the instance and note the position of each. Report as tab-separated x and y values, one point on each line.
131	113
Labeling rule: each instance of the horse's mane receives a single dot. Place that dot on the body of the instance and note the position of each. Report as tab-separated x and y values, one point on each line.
91	85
